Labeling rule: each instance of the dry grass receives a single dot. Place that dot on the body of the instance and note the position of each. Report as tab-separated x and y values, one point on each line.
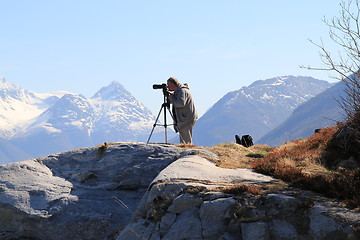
232	155
303	155
241	188
299	163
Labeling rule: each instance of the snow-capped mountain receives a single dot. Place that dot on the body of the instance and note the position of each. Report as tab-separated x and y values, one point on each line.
17	106
70	111
64	125
35	125
118	115
321	111
256	109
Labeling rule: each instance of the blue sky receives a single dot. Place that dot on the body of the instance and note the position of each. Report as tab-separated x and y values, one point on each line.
214	46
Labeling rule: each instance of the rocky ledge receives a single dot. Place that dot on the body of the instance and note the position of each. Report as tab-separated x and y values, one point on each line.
155	191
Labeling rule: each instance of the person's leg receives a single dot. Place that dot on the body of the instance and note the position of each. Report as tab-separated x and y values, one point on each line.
186	134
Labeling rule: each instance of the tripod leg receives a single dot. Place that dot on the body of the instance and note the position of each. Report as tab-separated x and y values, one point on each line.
172	116
165	124
157	118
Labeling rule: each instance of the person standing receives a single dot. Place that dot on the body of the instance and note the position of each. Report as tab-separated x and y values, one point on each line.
184	111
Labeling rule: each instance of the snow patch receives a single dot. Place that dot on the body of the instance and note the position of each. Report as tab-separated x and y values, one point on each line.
50	129
266	97
285	96
277	83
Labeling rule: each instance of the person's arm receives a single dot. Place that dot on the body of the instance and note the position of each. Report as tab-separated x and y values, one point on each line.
179	99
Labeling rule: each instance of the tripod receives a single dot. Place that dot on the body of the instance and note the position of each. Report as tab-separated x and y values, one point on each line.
164	106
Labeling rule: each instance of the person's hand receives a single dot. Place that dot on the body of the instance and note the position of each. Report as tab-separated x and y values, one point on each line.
176	128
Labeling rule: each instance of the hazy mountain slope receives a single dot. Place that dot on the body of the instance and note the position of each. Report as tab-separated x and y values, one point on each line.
9	152
320	111
255	109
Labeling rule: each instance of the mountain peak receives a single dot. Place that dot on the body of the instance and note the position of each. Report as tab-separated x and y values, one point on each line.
70	110
115	92
13	91
116	84
287	79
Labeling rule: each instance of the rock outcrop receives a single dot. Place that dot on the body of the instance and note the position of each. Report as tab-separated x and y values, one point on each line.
194	199
155	191
82	194
343	148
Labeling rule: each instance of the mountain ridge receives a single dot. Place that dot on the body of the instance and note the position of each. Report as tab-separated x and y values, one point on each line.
41	124
255	109
320	111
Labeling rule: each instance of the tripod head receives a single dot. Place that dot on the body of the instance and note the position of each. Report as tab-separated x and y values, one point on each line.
165	91
166	104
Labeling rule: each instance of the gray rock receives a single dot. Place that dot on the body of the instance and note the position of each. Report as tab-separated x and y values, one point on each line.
255	230
98	189
166	222
153	191
198	168
209	196
283	230
215	217
202	152
186	226
326	227
183	202
176	192
138	230
279	203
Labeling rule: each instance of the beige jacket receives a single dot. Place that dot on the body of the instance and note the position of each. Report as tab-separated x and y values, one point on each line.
183	107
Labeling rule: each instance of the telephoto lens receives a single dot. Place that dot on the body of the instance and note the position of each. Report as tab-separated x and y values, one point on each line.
160	86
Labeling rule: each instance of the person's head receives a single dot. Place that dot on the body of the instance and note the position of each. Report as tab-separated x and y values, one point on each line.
173	83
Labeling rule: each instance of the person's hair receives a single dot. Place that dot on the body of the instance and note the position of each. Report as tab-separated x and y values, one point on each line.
174	81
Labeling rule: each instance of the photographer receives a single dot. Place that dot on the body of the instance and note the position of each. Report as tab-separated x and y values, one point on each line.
184	110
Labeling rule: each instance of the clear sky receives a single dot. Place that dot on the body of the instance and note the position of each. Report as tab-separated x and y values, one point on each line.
214	46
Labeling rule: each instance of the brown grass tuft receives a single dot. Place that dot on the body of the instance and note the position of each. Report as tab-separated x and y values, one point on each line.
239	189
233	155
300	164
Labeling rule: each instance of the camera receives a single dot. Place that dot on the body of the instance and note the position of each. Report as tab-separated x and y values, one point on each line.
162	86
165	91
